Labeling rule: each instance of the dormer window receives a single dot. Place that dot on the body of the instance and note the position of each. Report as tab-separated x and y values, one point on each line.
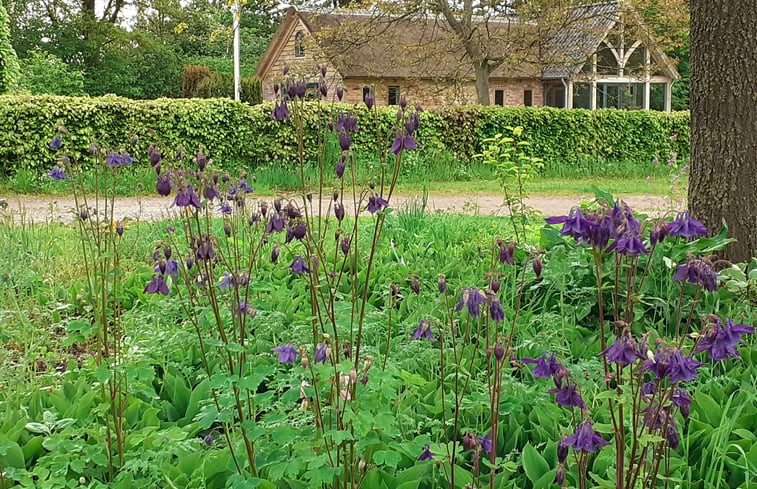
299	50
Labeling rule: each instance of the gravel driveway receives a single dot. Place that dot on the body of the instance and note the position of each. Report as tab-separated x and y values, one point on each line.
51	208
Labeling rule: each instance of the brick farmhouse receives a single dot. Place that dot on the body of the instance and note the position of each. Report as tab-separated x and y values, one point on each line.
594	60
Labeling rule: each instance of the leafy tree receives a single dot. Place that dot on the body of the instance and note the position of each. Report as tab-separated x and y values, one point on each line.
9	68
723	120
45	73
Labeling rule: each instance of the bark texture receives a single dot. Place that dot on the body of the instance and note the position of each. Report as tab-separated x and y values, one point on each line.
723	182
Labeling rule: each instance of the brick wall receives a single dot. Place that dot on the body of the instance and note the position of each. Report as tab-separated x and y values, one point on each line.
514	91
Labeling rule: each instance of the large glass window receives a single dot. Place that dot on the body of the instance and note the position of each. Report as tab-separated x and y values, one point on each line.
620	95
635	63
582	95
657	94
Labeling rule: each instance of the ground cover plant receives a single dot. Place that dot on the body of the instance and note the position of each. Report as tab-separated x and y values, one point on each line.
323	338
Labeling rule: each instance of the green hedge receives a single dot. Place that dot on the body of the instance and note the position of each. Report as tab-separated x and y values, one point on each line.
235	132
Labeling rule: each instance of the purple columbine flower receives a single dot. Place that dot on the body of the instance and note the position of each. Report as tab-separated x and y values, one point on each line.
403	141
720	342
686	227
242	308
170	267
281	112
225	208
341	165
227	280
426	454
681	399
276	224
187	198
585	439
211	192
423	331
157	285
624	351
698	271
545	367
574	224
57	173
119	159
472	298
56	143
345	140
671	362
298	266
369	101
485	442
628	244
567	395
496	311
346	123
506	253
671	435
163	186
287	353
376	204
321	353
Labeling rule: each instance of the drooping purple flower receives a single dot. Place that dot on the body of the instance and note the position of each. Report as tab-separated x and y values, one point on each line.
686	227
537	266
623	219
670	362
376	204
57	173
275	224
442	284
298	266
720	342
369	100
585	439
346	122
562	451
169	267
321	353
506	253
574	224
426	454
281	112
225	209
211	192
242	308
698	271
119	159
567	395
56	143
472	298
157	285
341	165
187	198
545	367
485	442
163	186
671	435
423	331
601	231
659	232
496	311
403	141
624	351
345	244
681	399
227	280
499	351
628	244
648	388
345	140
655	416
287	353
340	92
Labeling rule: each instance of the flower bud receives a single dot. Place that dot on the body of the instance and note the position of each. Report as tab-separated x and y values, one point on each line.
369	101
560	475
470	441
345	244
275	254
120	229
562	451
442	283
499	352
340	92
227	230
537	267
202	160
494	285
415	286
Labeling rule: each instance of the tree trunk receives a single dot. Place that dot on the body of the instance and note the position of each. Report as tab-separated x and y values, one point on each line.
723	182
482	85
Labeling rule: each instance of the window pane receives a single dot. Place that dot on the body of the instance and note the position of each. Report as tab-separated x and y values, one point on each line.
657	93
394	95
528	97
299	51
607	64
582	96
499	97
635	63
554	95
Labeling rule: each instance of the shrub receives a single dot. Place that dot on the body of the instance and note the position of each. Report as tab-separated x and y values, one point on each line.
191	77
239	132
9	70
215	85
45	73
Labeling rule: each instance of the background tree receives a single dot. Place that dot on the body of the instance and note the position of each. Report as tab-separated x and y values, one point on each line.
724	121
9	68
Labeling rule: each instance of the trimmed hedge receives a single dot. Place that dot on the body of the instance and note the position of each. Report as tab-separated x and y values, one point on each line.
240	133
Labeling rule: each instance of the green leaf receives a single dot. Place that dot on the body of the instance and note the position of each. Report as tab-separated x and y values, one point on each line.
533	463
387	457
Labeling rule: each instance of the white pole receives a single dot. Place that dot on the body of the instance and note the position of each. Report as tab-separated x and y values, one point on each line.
237	11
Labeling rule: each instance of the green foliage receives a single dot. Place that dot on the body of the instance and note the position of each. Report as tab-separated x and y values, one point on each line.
202	82
191	77
44	73
242	133
9	67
